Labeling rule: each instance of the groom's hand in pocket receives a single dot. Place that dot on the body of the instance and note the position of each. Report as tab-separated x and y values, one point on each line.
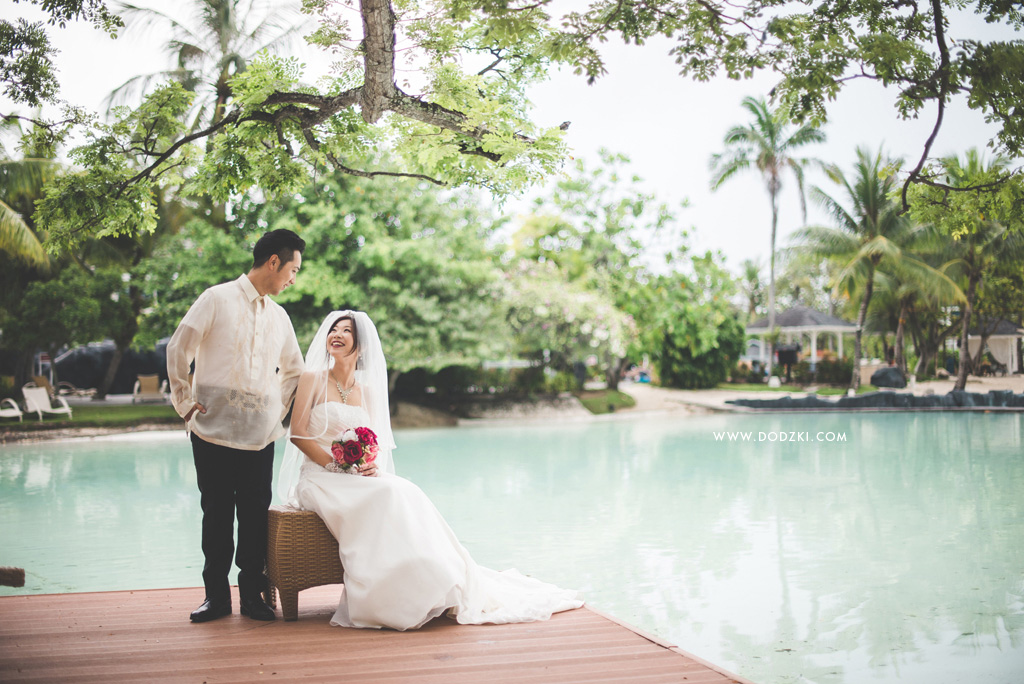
197	407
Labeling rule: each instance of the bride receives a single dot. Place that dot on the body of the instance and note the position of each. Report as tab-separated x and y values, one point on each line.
403	565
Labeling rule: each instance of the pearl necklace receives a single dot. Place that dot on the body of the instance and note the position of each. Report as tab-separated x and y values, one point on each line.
343	392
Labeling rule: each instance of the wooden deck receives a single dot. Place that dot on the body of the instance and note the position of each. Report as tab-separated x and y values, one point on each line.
146	636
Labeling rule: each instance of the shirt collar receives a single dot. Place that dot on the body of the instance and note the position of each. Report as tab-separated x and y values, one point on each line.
250	292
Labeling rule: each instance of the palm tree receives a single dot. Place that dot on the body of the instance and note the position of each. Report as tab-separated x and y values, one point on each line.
907	290
219	41
23	260
870	233
21	183
751	286
985	243
766	145
16	238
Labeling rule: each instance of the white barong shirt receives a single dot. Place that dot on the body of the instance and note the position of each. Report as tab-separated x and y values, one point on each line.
248	364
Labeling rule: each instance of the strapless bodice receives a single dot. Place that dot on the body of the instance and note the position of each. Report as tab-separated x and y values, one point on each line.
331	418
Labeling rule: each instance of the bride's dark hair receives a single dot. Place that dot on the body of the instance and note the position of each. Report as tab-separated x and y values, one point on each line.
355	330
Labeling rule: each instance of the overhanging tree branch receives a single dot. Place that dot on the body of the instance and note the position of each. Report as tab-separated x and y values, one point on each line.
943	90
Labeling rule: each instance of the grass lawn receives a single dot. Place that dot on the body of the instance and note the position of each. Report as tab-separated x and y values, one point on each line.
605	401
833	391
821	391
100	415
759	387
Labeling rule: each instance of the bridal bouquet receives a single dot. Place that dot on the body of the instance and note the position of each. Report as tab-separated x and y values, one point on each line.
353	448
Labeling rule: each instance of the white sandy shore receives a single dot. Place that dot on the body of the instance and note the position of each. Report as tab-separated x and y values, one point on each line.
650	398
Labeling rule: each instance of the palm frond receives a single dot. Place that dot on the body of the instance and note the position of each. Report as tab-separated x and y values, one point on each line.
135	87
725	166
18	240
836	211
806	135
825	241
23	178
144	18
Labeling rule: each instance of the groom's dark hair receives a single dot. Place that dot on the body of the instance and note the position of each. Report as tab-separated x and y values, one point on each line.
282	242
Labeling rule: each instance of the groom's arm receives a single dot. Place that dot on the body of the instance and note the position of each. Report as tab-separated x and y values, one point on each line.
291	365
182	350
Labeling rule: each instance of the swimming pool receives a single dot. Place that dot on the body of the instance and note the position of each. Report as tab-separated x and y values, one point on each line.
833	548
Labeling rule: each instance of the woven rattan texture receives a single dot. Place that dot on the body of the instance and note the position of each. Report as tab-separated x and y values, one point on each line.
301	553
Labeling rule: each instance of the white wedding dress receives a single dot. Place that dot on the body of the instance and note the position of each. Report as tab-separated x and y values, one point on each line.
403	564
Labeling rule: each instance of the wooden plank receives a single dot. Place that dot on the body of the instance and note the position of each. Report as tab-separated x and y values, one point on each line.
146	636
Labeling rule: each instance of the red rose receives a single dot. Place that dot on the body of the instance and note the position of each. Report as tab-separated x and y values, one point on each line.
352	452
366	436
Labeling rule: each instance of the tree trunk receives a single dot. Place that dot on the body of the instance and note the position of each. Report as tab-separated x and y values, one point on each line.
123	337
393	376
976	359
108	377
378	58
53	368
924	358
22	371
613	372
928	344
900	352
965	323
869	288
773	191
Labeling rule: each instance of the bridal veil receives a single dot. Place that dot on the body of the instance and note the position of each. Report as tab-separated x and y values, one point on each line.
372	376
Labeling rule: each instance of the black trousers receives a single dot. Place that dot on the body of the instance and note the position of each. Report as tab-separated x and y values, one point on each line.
234	481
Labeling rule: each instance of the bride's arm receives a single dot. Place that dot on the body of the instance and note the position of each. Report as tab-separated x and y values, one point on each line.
306	395
313	450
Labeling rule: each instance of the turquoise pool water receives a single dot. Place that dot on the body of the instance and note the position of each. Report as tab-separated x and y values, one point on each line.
892	550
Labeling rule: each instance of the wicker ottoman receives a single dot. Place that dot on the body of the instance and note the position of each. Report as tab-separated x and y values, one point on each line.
301	553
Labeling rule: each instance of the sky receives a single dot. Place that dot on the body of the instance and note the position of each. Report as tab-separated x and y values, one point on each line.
668	125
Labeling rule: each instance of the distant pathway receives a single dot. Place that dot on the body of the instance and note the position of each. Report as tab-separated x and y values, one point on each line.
651	398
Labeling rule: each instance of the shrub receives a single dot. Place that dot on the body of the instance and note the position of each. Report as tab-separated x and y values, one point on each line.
802	374
834	371
562	381
7	387
680	367
740	373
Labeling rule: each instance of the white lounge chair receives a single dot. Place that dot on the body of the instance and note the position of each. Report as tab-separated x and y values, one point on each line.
44	382
12	412
149	388
36	399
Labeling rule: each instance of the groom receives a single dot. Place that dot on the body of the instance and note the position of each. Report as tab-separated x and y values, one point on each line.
247	365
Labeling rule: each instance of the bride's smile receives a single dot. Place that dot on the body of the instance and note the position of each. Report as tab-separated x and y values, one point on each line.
341	339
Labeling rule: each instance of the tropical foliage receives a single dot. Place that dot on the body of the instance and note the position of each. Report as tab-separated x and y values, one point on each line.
871	235
767	145
984	225
216	42
463	116
694	333
166	196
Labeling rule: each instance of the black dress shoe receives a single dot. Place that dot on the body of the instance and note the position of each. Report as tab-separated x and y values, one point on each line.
256	609
210	610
